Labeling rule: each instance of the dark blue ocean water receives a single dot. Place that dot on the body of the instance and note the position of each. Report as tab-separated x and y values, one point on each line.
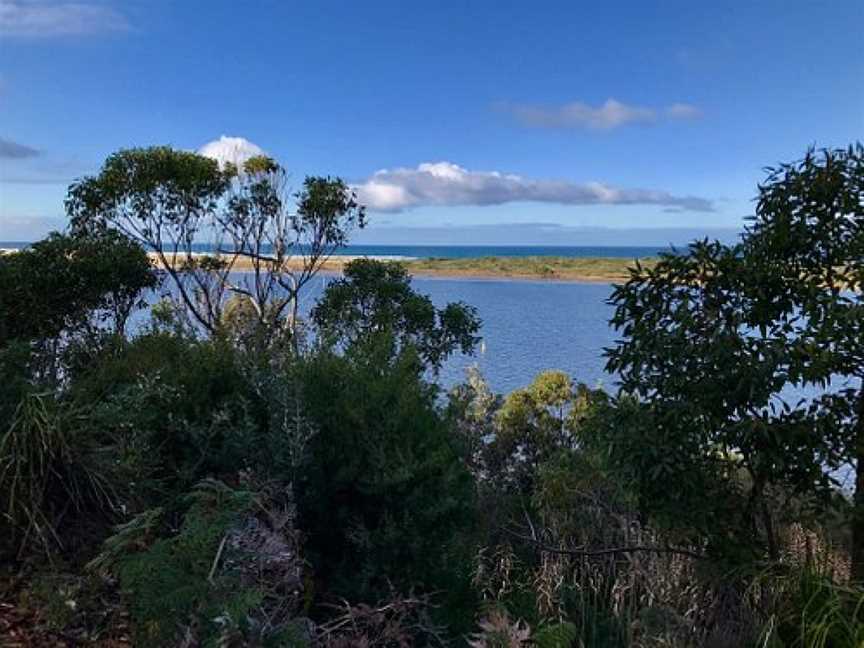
469	251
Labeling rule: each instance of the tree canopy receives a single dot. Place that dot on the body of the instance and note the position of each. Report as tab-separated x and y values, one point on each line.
716	341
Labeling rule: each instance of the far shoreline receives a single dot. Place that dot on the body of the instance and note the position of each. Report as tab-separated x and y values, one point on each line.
533	268
552	269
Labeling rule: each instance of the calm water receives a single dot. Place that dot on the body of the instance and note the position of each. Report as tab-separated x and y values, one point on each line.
528	326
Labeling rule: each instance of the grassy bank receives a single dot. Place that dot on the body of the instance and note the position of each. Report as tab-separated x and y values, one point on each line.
599	269
603	269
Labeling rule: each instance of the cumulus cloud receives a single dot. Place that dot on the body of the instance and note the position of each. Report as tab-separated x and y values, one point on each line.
35	18
235	150
447	184
10	150
611	114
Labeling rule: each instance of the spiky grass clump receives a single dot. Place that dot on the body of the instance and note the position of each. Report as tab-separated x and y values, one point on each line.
46	474
813	611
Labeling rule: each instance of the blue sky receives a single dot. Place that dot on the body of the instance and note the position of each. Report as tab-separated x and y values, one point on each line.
496	122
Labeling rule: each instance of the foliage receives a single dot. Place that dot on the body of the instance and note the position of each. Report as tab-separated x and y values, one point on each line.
555	635
397	622
382	495
534	424
498	631
204	582
713	338
176	409
556	515
807	250
812	611
59	284
374	301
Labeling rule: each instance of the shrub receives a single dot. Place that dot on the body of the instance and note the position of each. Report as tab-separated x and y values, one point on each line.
232	572
383	496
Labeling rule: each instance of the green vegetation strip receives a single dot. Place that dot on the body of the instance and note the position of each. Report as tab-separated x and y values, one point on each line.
533	267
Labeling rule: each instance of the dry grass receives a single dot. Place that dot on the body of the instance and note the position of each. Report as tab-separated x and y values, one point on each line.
600	269
595	269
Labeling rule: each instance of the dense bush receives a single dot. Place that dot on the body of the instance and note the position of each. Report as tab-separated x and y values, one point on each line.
383	495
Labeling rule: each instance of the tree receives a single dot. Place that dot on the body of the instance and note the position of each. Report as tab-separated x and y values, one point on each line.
807	243
176	203
374	300
714	340
383	493
63	281
533	425
64	292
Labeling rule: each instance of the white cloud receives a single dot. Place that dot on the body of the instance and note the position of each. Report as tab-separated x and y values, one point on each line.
607	116
35	18
235	150
447	184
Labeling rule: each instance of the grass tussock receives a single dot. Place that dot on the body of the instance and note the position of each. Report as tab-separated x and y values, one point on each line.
45	475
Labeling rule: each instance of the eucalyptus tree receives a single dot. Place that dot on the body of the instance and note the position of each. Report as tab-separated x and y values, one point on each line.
373	303
177	203
716	339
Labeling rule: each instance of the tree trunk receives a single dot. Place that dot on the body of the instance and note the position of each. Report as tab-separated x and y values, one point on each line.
858	509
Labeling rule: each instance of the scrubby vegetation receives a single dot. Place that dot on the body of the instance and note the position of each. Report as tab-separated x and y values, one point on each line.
184	461
542	267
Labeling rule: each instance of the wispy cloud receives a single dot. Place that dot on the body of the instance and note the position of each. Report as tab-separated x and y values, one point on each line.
611	114
38	18
10	150
683	111
447	184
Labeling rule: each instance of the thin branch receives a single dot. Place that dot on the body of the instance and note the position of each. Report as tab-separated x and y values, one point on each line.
216	559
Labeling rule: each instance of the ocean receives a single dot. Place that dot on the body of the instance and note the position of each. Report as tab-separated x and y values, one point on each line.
472	251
